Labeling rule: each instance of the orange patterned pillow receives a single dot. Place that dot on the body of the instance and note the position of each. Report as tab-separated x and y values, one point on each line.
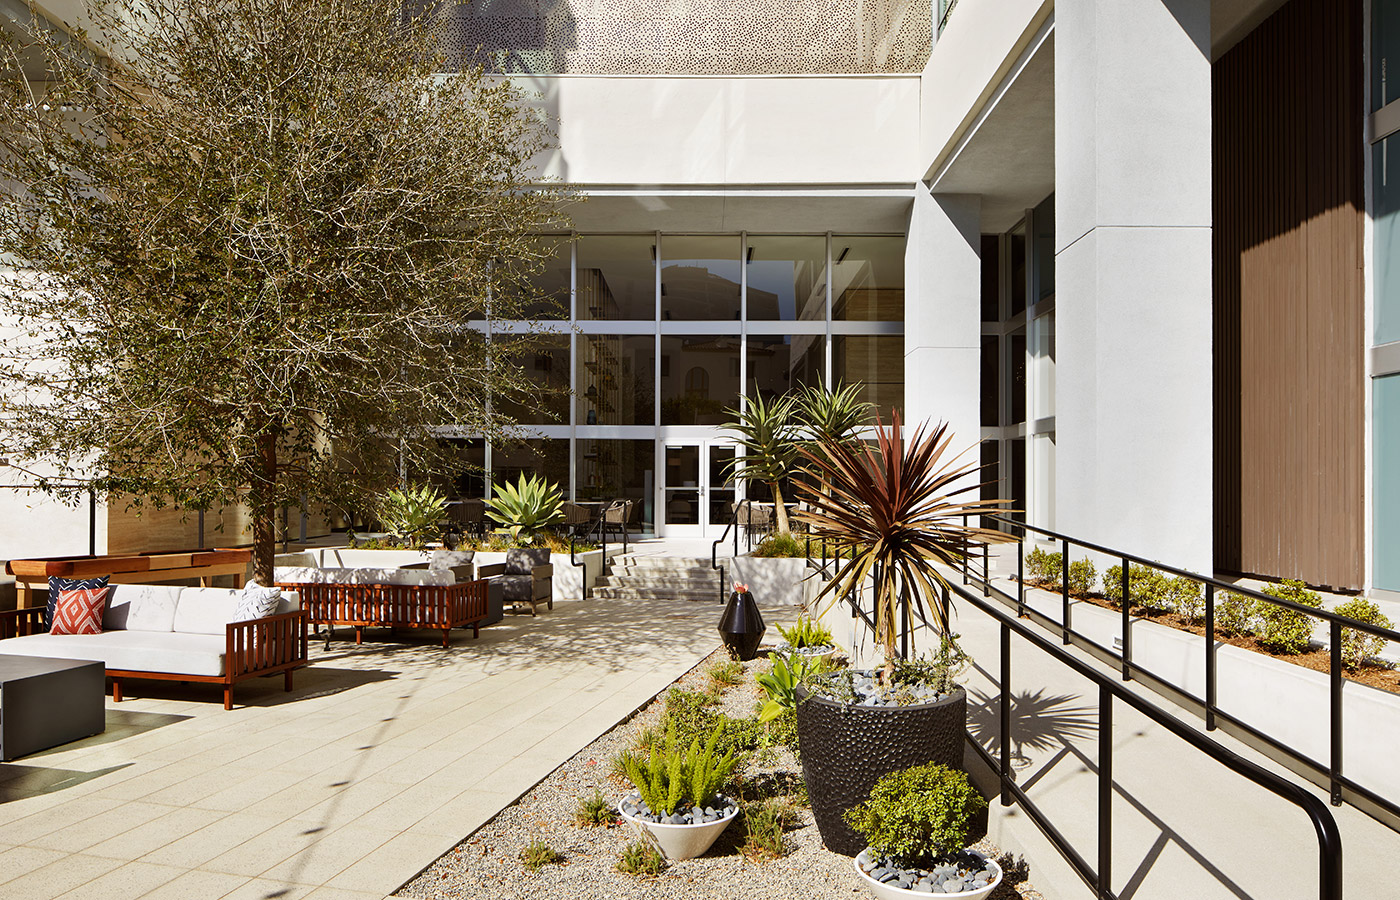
79	611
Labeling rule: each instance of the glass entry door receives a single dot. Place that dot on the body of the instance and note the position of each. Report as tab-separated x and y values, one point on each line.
697	492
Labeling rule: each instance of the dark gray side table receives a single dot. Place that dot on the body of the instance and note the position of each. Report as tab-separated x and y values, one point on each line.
46	702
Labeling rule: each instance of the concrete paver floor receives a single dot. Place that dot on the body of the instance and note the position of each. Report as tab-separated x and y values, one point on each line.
382	759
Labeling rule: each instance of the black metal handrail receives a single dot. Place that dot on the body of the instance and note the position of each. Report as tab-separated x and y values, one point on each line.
599	525
1340	786
1097	877
714	548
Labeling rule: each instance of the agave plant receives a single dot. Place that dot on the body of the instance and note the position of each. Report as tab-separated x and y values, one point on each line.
415	514
895	511
767	432
526	507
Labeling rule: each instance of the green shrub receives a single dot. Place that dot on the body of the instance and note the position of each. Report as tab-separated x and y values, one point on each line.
806	633
1043	567
1234	613
538	853
916	814
1186	599
1285	630
640	858
1082	577
780	546
670	778
1358	646
765	826
1150	589
781	731
594	810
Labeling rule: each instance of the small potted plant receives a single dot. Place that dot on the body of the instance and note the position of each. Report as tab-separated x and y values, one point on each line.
893	512
916	824
678	805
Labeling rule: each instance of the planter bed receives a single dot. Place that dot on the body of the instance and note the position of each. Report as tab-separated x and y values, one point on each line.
487	865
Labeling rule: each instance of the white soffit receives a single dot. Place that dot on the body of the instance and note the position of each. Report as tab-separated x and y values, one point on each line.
1008	155
863	209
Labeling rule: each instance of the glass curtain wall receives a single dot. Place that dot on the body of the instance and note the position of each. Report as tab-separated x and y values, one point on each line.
1385	355
655	335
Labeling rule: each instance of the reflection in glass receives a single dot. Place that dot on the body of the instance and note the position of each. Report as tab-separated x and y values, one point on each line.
991	278
700	277
787	278
617	277
1018	269
545	458
1017	382
699	378
989	476
1045	249
615	379
877	361
991	380
868	278
618	470
782	362
682	494
470	481
721	483
541	364
1043	357
543	294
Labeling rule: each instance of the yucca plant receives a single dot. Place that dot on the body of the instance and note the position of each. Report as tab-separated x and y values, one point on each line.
415	514
836	414
894	512
525	507
769	435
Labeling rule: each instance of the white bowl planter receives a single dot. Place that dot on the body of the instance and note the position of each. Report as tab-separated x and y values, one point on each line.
891	892
678	842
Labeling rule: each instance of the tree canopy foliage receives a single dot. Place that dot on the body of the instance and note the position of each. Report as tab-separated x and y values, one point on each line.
249	242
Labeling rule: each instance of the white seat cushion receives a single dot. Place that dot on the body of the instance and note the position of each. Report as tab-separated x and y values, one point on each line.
134	651
206	610
141	607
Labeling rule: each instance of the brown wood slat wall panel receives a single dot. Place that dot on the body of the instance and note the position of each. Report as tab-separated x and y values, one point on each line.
1289	304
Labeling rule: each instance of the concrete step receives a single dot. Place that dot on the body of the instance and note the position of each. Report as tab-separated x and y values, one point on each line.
661	562
659	585
633	593
664	574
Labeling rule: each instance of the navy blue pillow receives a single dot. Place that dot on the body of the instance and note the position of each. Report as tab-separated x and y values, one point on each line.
57	584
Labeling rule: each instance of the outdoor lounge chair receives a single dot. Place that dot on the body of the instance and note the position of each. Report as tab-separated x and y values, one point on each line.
525	577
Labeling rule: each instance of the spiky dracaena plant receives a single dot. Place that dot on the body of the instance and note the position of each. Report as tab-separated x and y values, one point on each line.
525	507
894	512
769	435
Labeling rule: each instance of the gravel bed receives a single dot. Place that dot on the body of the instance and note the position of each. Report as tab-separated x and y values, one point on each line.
486	865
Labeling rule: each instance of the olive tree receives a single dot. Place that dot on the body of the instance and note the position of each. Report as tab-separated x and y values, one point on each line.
245	243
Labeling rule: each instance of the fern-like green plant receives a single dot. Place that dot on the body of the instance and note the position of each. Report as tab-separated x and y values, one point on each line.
416	513
668	777
806	633
526	507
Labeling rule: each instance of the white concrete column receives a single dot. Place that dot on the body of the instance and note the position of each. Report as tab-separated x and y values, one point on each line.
942	314
1133	276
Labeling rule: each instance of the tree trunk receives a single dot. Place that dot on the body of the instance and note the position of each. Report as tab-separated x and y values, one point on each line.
262	500
779	510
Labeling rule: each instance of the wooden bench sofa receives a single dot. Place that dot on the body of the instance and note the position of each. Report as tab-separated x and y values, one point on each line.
360	606
165	632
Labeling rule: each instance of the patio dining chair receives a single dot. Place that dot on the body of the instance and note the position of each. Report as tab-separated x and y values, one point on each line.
577	519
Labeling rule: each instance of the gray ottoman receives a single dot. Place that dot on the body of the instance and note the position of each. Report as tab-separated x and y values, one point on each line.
46	702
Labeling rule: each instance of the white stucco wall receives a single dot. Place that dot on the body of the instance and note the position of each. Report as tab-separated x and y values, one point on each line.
731	131
973	53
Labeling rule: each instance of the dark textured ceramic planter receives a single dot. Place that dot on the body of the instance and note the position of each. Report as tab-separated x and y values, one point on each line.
845	750
741	626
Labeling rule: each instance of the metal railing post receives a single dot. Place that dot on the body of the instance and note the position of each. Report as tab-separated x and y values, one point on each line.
1005	711
1127	625
1064	592
1021	576
721	582
986	570
1335	723
1210	657
1105	792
